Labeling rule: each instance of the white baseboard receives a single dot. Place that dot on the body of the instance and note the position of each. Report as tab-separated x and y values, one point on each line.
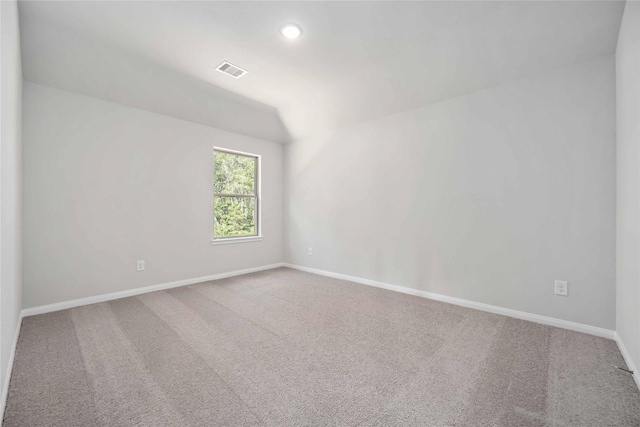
551	321
627	358
131	292
7	378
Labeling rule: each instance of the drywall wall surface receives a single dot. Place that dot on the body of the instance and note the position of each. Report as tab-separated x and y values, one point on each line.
10	181
106	185
628	190
488	197
74	61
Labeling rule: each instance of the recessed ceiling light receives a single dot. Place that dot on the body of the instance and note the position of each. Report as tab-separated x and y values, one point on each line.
291	31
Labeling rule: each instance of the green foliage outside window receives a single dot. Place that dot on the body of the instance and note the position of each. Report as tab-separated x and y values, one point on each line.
235	198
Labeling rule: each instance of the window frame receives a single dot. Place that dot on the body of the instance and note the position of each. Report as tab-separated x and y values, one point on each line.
257	197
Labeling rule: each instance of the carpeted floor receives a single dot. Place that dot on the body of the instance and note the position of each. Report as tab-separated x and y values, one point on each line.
283	347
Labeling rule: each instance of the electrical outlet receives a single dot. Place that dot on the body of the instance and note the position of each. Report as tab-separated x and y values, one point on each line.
562	288
140	265
310	251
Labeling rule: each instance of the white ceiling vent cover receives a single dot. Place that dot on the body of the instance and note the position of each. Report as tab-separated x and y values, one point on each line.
230	69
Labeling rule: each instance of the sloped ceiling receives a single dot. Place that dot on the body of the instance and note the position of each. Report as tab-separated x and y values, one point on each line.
356	61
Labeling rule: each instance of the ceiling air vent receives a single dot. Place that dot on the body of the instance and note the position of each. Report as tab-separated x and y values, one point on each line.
232	70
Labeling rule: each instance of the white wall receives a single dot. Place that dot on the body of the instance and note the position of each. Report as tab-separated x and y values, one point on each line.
72	60
106	185
10	179
488	197
628	191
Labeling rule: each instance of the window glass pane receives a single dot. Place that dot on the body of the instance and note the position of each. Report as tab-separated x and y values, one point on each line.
234	216
234	174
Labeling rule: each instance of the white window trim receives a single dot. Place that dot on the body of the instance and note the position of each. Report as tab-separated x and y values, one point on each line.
232	240
258	196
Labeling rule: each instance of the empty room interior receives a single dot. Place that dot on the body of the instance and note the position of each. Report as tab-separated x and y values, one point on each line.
320	213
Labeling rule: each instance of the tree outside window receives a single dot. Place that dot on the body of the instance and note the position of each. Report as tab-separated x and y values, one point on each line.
235	194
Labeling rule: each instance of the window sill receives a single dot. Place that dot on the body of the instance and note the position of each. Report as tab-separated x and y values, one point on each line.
232	240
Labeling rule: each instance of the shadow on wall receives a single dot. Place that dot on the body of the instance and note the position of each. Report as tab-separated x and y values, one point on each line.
488	197
96	69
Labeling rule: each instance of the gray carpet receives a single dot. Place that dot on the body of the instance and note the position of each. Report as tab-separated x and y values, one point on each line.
283	347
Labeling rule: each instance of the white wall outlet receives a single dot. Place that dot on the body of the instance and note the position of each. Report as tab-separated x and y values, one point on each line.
310	252
140	265
562	288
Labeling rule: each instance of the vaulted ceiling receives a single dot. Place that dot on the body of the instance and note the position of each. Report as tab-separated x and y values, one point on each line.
355	61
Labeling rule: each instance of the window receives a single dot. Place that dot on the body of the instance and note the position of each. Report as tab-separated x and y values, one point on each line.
236	196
